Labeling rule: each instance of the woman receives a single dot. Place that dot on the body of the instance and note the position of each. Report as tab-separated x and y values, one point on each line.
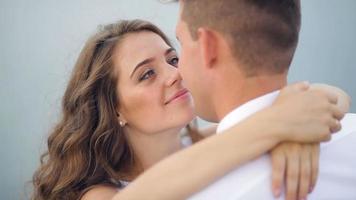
124	109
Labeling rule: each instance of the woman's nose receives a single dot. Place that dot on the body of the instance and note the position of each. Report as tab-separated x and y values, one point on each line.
173	76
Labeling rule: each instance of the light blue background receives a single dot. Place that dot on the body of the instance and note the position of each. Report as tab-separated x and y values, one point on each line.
40	40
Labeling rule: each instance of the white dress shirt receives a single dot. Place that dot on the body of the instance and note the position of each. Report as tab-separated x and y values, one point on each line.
252	181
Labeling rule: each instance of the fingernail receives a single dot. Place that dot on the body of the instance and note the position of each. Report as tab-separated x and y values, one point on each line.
311	189
276	192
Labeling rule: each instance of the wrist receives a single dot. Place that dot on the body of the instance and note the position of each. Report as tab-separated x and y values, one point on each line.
268	128
273	127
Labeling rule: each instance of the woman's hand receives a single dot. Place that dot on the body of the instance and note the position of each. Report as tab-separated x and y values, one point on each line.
305	115
343	99
295	166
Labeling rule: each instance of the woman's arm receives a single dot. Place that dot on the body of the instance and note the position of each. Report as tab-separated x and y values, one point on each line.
190	170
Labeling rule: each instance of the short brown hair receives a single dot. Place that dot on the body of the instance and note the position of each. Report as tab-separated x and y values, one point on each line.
263	33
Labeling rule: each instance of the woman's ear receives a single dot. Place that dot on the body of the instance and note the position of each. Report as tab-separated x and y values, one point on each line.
208	46
121	118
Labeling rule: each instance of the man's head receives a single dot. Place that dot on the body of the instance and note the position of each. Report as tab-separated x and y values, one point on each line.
259	36
255	29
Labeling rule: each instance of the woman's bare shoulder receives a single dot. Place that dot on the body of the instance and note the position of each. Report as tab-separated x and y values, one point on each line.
100	192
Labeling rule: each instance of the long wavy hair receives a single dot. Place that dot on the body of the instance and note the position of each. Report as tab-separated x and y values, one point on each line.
87	147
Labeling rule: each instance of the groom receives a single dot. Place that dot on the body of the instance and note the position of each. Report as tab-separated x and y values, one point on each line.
234	59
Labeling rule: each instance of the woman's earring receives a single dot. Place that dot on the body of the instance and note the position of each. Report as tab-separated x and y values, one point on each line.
122	124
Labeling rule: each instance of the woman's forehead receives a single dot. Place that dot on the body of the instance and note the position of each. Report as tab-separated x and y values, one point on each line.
142	44
136	47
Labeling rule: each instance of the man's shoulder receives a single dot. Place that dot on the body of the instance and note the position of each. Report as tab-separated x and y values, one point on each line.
338	163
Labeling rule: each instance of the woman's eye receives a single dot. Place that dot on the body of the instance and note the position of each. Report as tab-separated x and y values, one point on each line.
174	61
147	75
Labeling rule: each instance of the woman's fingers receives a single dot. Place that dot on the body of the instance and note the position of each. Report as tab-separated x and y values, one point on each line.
314	165
305	171
337	112
343	99
293	171
300	86
331	97
335	125
297	166
315	114
278	171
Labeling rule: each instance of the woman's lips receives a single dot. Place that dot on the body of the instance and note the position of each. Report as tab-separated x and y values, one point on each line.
180	94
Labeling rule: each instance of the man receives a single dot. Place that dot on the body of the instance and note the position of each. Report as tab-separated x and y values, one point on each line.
235	57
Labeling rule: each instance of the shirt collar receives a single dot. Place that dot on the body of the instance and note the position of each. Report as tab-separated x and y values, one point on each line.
246	109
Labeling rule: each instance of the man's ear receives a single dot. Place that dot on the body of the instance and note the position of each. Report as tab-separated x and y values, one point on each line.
208	46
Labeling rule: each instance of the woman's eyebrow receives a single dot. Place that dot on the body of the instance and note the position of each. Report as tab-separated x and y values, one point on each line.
169	50
148	60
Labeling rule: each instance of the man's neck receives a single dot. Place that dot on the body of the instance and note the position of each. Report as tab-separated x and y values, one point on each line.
235	93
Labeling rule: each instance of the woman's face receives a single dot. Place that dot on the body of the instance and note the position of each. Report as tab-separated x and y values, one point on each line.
152	97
